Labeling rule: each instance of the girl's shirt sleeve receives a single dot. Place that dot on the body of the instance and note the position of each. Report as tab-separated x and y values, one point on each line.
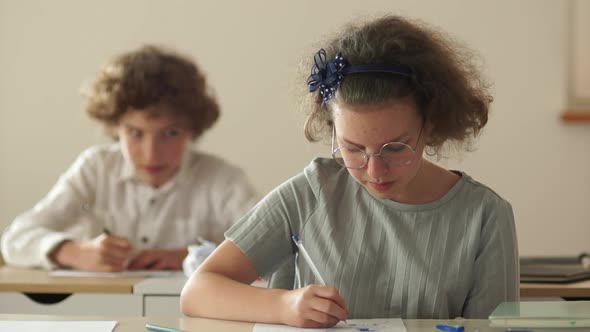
496	267
264	233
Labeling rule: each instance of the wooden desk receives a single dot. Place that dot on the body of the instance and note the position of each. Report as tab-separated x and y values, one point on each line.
20	289
14	279
137	324
579	289
148	297
35	292
161	296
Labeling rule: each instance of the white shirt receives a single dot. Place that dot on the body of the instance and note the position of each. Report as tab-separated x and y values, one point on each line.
100	191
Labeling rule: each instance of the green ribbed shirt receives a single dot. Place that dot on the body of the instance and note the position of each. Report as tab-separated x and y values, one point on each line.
454	257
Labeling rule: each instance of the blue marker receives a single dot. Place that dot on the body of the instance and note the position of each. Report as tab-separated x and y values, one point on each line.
450	328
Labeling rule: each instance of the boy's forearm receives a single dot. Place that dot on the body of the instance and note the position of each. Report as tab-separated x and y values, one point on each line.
64	254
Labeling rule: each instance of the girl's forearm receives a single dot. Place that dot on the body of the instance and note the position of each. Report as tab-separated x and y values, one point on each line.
212	295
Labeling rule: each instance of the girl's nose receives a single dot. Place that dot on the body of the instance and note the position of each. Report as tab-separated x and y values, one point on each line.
376	167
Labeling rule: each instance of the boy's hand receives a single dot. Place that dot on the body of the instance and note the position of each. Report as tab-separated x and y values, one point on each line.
158	259
105	253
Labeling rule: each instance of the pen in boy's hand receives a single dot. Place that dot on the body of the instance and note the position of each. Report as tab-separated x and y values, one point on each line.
103	217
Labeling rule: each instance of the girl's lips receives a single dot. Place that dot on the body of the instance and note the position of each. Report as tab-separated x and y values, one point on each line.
382	186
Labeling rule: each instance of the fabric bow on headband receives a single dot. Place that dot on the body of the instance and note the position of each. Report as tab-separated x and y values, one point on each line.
327	76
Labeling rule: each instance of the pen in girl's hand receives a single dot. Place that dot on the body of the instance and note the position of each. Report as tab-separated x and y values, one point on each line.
303	252
305	255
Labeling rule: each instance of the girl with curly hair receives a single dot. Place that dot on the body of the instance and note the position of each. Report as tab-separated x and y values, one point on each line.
387	232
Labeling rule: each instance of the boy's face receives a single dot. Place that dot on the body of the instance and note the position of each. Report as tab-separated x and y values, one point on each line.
153	141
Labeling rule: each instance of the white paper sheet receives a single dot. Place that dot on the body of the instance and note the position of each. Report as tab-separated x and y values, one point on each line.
61	326
354	325
138	273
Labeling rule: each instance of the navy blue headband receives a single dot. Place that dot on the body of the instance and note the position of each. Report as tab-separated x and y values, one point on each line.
327	76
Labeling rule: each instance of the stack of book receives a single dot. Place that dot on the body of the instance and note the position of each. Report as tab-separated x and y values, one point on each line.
557	269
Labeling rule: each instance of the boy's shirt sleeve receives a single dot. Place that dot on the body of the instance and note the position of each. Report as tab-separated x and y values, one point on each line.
34	234
234	196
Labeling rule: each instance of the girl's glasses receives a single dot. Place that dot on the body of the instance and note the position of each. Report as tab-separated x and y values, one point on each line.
392	153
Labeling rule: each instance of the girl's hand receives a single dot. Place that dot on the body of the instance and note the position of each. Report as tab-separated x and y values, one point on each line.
313	306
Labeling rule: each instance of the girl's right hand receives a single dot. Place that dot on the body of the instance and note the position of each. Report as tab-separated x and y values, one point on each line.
105	253
313	306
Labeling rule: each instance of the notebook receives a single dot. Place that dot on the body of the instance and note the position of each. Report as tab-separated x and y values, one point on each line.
541	314
553	273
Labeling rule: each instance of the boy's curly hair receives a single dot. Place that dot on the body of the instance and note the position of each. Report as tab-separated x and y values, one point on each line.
152	76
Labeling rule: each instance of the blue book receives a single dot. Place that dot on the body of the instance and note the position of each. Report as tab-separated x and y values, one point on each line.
541	314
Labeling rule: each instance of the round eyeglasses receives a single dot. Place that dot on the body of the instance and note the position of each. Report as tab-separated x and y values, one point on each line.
392	153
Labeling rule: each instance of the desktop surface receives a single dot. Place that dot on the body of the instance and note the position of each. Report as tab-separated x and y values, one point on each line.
137	324
14	279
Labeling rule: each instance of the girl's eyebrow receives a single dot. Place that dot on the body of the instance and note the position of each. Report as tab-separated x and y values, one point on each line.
397	139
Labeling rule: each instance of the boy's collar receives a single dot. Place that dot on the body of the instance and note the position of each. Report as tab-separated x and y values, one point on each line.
128	173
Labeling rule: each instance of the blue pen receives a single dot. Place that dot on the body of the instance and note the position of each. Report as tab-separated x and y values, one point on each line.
305	255
303	252
450	328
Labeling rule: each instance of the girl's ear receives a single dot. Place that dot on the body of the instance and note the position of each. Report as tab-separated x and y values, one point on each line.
427	129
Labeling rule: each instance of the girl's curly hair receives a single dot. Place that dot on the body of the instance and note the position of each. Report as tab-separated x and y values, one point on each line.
446	85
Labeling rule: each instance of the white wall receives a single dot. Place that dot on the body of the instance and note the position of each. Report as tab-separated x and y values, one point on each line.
249	50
